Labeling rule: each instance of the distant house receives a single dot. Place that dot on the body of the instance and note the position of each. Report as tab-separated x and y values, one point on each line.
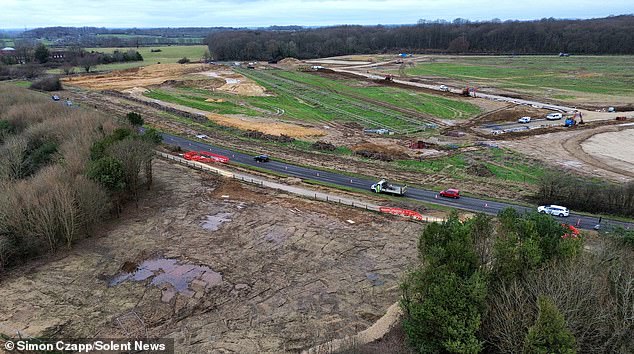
7	51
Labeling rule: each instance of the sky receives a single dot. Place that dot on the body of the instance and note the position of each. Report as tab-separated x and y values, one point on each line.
261	13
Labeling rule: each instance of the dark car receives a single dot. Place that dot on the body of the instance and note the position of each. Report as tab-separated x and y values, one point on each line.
261	158
55	97
450	193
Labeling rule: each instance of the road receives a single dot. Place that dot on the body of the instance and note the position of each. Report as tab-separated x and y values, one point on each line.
340	179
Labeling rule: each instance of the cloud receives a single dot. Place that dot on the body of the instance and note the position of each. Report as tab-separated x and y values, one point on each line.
250	13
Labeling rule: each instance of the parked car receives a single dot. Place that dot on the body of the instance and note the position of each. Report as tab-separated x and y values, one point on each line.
554	116
444	88
524	120
55	98
555	210
261	158
201	136
450	193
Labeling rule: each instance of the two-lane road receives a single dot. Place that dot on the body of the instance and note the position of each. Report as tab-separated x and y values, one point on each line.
340	179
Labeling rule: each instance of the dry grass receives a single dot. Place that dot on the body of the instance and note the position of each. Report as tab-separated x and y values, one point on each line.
266	126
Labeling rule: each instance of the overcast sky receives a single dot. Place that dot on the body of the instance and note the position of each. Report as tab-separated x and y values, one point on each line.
255	13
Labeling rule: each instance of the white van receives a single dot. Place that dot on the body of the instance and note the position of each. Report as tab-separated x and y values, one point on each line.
554	116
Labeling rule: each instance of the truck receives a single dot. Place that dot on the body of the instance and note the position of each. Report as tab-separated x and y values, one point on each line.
384	186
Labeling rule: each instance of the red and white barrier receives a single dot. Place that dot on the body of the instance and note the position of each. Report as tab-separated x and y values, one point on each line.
204	156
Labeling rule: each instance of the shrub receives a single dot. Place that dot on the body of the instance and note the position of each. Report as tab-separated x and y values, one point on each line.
549	334
183	60
49	83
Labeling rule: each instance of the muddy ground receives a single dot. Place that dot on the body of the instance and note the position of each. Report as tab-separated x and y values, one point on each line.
220	267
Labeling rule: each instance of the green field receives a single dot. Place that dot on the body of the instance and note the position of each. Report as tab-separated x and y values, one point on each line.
608	75
436	106
502	164
307	97
168	54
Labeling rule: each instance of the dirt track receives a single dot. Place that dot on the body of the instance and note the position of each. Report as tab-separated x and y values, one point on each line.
282	273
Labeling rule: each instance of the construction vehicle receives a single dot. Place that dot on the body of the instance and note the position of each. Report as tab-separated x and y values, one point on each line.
570	122
384	186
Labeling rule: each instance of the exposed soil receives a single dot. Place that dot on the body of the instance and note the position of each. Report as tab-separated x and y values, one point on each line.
564	149
220	267
236	83
136	77
613	148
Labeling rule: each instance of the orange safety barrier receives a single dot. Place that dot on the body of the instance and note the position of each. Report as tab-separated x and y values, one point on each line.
402	212
574	232
204	156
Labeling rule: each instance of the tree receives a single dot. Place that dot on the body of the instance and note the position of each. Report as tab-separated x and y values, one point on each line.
41	53
549	334
443	311
443	301
88	61
135	119
108	171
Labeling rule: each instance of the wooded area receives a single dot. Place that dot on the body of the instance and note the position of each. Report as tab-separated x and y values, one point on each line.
611	35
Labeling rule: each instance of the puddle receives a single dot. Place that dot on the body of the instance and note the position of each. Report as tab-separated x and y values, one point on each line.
213	222
374	279
228	80
172	276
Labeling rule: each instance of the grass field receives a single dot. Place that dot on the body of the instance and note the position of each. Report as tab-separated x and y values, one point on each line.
436	106
607	75
168	54
307	97
502	164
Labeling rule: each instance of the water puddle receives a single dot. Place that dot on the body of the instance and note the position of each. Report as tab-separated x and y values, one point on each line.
374	279
213	222
169	274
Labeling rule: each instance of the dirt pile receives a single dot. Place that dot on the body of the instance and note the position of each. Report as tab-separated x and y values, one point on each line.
268	137
379	152
323	146
480	170
150	75
289	63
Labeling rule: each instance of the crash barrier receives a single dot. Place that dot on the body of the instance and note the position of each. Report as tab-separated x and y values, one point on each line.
204	156
573	231
300	191
402	212
279	186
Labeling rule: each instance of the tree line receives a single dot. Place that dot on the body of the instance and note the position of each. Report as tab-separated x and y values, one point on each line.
584	194
611	35
519	284
62	172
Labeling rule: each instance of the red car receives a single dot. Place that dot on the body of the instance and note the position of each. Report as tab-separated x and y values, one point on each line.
450	193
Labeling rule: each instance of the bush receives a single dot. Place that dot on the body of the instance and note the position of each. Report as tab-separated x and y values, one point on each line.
549	333
49	83
183	60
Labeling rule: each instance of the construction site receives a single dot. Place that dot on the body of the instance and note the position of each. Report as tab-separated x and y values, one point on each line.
222	265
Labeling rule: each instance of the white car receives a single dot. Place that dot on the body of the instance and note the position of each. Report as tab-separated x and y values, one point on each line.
444	88
555	210
524	120
554	116
202	136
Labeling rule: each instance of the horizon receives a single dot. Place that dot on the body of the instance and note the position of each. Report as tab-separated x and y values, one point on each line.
118	14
